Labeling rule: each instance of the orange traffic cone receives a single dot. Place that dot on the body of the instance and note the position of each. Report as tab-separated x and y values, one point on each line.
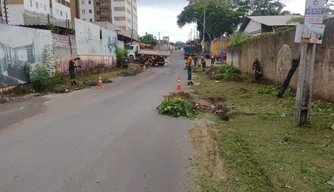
100	84
178	87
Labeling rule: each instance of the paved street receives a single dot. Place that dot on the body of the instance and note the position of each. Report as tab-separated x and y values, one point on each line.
97	140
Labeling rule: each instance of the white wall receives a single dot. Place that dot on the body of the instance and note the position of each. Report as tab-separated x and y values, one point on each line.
252	27
15	14
60	11
84	5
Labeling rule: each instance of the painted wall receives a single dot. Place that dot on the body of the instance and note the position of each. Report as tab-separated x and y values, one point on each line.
21	46
275	53
15	14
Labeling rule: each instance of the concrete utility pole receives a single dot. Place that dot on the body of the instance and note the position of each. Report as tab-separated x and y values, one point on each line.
306	65
204	29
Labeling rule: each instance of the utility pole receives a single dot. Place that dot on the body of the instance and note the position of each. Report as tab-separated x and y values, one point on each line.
307	62
204	30
5	11
69	35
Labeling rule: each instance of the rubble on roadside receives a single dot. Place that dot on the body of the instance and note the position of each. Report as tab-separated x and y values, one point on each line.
213	105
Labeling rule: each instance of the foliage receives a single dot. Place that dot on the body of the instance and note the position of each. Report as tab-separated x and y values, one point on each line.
43	81
220	18
299	20
228	70
272	90
329	7
72	29
121	56
176	107
148	39
53	28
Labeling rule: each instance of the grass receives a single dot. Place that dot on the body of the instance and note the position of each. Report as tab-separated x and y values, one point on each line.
261	148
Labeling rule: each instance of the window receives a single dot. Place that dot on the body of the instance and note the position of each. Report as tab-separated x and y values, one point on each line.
90	20
84	19
30	3
36	5
98	3
66	15
89	2
90	11
82	2
45	8
83	11
41	6
98	12
61	13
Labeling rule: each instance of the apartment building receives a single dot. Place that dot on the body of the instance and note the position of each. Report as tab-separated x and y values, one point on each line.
19	10
122	13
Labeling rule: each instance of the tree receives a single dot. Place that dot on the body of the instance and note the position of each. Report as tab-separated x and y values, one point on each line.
220	19
148	39
329	7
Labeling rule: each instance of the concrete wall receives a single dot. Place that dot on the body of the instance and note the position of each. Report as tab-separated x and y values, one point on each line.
275	53
62	55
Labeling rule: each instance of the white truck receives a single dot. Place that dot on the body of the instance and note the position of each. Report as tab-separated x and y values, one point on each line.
145	53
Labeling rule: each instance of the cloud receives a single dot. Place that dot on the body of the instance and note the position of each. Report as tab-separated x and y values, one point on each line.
156	16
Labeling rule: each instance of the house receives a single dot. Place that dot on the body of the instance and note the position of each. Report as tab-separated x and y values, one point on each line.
254	25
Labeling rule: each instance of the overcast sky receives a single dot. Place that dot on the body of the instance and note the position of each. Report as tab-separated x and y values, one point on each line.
156	16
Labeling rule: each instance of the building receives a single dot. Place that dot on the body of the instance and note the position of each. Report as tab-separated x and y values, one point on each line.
122	13
254	25
19	11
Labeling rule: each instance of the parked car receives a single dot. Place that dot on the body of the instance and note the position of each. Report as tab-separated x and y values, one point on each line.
218	57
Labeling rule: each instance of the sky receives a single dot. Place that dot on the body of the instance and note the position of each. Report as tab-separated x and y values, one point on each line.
156	16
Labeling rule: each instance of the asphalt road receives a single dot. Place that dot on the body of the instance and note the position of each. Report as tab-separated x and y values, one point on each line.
98	140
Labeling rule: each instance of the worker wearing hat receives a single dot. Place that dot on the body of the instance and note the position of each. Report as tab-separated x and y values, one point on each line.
71	69
203	63
189	70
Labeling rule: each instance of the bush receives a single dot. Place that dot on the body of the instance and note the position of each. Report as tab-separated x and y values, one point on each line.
121	55
176	107
228	70
44	81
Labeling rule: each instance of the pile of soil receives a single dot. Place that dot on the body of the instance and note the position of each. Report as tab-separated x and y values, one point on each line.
133	70
205	104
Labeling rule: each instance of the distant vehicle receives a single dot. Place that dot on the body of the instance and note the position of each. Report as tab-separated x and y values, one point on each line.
189	49
218	57
146	53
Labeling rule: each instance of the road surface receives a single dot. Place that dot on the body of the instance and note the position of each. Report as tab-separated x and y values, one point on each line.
98	140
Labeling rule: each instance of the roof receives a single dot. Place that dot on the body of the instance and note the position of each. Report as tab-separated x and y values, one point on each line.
119	30
274	20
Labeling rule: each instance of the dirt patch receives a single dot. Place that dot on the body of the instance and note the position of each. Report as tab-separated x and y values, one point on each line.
182	95
214	100
209	171
133	69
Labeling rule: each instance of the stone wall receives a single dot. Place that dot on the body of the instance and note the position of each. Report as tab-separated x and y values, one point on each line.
62	54
275	53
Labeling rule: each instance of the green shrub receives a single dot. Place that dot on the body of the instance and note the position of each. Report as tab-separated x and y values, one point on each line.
228	70
176	107
43	80
265	89
217	76
121	55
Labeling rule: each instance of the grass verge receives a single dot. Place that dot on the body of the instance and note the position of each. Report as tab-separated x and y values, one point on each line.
260	147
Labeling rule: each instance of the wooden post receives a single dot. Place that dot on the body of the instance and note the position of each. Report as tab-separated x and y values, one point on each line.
305	82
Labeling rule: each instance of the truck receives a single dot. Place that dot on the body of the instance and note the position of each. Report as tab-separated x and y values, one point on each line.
189	49
143	53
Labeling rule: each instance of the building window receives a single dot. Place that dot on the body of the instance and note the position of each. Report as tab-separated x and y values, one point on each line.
98	12
82	2
84	19
90	11
61	13
83	11
41	6
36	5
89	2
66	15
98	3
30	3
45	8
90	20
